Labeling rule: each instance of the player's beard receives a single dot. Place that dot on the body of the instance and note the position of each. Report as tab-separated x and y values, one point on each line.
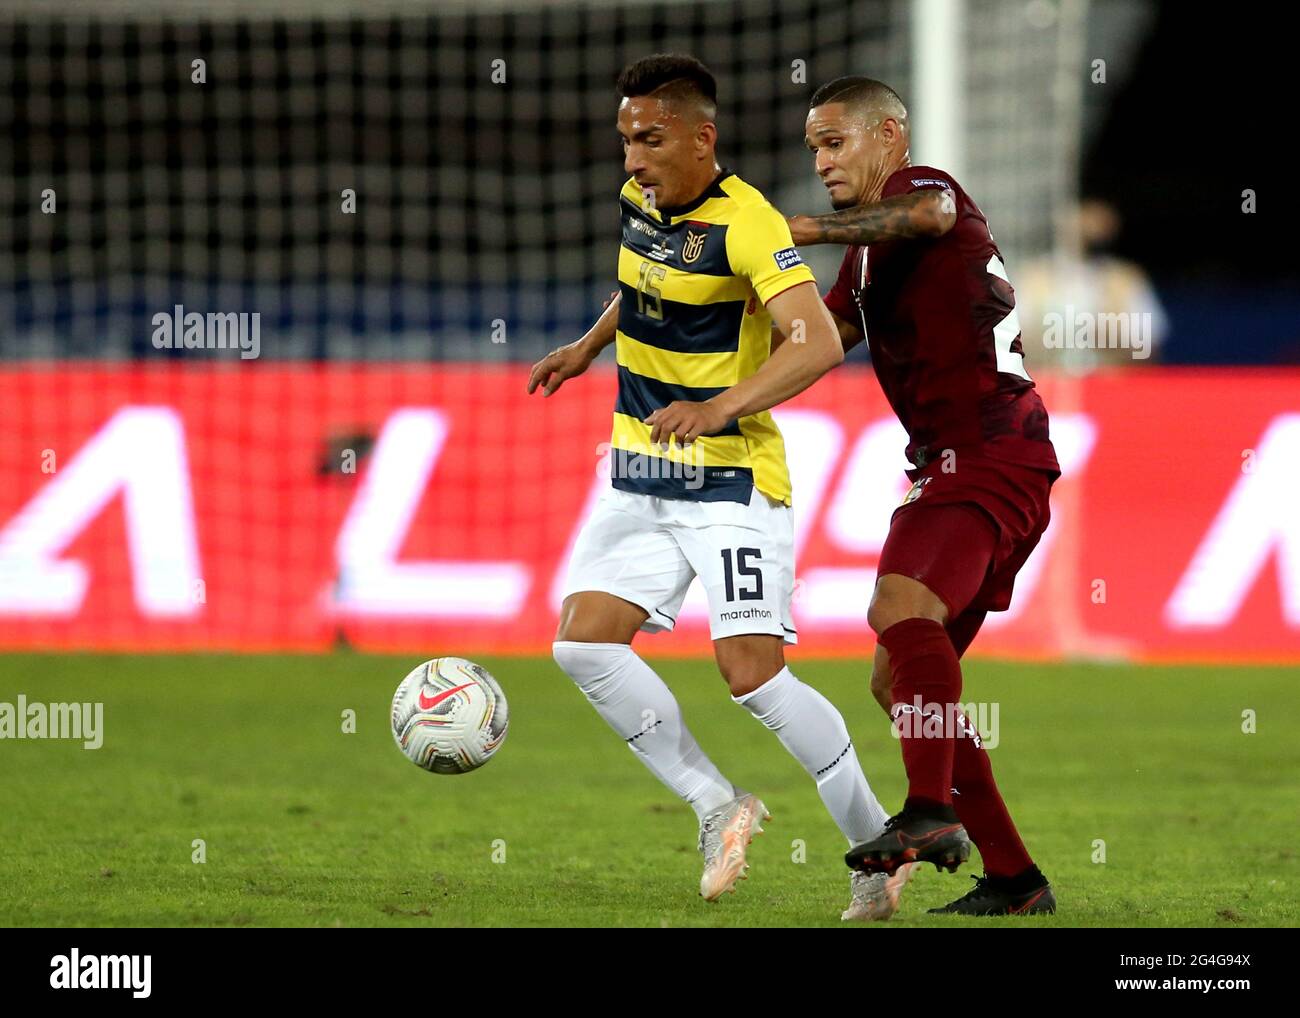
854	199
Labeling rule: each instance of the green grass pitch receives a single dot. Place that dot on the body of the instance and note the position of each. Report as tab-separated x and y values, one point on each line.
305	825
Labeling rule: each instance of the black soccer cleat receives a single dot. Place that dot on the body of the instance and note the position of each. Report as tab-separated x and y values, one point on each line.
985	899
908	837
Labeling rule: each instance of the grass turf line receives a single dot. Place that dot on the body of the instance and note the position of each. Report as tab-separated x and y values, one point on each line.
306	825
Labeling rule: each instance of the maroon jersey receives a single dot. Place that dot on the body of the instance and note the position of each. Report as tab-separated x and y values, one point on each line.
940	319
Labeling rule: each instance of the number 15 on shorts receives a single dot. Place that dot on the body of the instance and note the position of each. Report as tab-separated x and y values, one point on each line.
744	570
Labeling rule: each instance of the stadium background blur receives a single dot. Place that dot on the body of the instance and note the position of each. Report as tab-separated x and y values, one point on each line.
418	200
375	488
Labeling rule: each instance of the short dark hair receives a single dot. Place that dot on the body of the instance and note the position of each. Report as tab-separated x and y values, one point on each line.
860	92
674	75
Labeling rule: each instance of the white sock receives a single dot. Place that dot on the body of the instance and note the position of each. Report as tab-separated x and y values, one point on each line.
628	694
814	732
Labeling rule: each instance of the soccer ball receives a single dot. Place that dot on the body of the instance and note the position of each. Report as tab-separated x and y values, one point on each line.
449	716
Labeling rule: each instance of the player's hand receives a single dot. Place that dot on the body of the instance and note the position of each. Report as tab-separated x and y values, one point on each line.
688	421
559	365
612	297
803	230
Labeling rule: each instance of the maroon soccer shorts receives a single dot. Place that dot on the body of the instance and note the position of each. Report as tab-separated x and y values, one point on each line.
966	534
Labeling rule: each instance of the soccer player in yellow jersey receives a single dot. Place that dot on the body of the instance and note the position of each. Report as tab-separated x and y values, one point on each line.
699	479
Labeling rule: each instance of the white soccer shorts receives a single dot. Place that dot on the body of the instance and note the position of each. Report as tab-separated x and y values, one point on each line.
646	550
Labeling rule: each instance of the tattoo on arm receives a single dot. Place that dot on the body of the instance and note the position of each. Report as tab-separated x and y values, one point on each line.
918	214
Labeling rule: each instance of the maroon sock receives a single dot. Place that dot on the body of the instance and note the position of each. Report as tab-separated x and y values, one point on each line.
982	812
926	671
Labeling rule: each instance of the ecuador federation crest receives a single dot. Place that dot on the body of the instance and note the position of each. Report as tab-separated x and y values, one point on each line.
693	245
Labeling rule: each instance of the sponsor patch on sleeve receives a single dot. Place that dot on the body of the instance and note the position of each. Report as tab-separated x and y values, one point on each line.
931	182
787	258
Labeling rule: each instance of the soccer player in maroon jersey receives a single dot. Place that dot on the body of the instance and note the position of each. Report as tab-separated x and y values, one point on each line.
923	282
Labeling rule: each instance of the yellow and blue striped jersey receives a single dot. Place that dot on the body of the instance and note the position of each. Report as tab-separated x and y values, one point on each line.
692	322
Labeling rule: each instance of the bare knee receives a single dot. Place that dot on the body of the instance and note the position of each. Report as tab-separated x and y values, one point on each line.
593	616
899	597
882	679
746	662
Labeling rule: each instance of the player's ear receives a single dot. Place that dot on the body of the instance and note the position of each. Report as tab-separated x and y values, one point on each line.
706	137
891	132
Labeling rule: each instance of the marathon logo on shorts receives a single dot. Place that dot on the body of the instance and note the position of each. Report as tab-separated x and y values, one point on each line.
737	614
787	259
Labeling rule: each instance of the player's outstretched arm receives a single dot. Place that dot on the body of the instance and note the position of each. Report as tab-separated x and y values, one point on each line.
926	213
813	349
566	362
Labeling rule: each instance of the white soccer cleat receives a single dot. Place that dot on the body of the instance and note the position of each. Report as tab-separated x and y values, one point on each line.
724	835
877	895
